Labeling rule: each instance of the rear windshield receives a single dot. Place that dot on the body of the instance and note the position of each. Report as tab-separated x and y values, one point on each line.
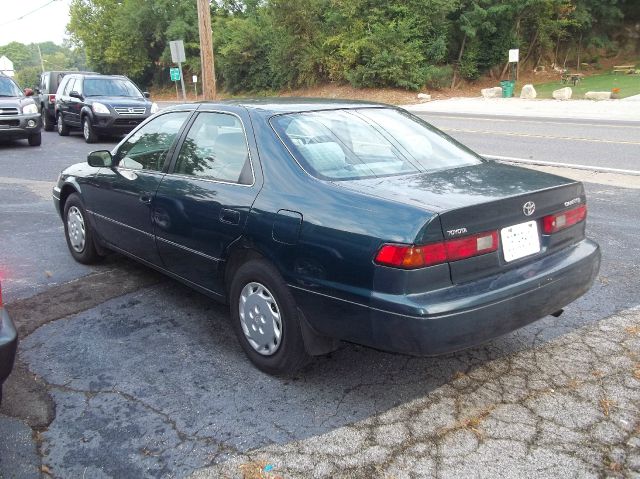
368	143
8	87
110	87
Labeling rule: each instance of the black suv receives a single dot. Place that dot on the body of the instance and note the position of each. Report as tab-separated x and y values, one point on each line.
19	117
49	82
100	105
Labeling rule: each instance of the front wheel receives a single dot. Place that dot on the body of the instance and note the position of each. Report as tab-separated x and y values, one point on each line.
265	319
78	231
35	139
90	135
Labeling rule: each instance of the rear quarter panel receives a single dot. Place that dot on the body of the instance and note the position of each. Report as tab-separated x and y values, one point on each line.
341	230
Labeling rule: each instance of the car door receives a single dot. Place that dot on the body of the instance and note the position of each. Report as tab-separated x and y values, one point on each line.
61	97
74	104
202	204
121	198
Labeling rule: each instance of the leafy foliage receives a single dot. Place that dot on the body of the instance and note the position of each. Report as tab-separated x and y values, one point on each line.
272	44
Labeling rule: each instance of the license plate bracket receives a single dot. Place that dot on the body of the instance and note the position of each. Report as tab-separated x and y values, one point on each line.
519	241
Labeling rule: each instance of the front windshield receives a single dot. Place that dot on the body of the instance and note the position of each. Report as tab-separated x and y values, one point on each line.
368	143
8	87
110	87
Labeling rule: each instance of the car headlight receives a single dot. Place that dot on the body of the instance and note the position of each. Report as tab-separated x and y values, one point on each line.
154	107
100	108
30	109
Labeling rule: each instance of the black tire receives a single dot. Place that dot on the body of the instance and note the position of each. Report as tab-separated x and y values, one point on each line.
35	139
88	253
63	130
47	124
291	354
89	134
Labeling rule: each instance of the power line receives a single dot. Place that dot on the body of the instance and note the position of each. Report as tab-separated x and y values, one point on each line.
28	13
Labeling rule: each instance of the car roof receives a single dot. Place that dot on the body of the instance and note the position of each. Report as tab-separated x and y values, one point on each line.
95	75
294	104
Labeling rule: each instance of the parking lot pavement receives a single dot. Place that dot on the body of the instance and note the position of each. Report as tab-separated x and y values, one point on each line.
568	408
124	373
144	378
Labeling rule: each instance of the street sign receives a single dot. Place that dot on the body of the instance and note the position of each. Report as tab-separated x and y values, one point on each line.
194	78
514	55
174	73
177	51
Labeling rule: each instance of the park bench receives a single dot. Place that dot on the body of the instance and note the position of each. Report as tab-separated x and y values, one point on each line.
624	69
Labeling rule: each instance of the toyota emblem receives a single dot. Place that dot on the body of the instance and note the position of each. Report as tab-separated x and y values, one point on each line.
528	208
130	110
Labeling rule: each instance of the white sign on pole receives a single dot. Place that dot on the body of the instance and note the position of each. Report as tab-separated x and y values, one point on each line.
177	51
514	55
194	78
6	66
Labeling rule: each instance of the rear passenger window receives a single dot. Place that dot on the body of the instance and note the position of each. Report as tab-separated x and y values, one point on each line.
216	148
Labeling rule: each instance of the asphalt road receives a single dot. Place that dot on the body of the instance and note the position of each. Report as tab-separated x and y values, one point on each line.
124	373
608	144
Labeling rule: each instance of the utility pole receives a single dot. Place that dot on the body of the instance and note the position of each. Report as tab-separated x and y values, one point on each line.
206	50
40	54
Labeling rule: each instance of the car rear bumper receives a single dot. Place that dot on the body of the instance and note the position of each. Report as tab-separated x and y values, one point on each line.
461	316
8	345
20	126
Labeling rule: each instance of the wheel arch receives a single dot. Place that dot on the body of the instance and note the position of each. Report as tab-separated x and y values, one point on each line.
242	251
67	190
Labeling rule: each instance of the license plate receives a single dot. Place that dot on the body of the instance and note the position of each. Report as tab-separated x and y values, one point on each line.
520	240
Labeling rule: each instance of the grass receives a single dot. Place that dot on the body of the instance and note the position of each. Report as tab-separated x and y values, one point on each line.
629	85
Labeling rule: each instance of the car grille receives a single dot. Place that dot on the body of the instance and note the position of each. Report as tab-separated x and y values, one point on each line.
8	111
130	122
130	111
9	122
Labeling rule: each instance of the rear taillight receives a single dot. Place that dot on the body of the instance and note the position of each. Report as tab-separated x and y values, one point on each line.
52	98
560	221
412	256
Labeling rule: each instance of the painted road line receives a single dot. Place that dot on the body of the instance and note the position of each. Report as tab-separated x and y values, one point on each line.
602	169
545	137
525	120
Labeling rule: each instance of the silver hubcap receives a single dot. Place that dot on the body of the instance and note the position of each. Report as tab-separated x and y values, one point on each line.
75	229
85	129
260	318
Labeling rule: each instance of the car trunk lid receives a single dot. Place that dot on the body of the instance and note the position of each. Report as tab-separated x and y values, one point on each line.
485	198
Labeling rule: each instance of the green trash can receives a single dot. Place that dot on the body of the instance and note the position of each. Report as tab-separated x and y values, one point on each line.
507	88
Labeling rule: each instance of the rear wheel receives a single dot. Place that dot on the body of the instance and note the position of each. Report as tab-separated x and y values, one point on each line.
265	319
35	139
47	124
63	130
90	135
78	231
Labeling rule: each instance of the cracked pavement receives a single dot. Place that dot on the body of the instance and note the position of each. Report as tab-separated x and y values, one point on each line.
124	373
567	408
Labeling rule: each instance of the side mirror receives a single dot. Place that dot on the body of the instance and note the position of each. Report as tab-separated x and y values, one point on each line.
28	92
146	94
75	94
100	159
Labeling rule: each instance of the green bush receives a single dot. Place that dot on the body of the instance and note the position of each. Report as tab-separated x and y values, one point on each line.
387	57
438	77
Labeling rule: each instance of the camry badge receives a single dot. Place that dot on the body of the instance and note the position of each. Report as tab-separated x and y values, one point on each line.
528	208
